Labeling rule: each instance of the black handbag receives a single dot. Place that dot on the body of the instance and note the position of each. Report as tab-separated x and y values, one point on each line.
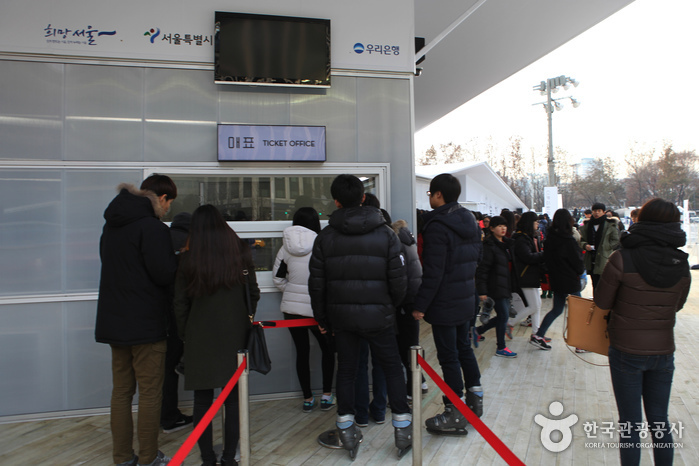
258	356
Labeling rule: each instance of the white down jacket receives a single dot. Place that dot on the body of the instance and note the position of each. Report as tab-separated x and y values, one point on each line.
296	253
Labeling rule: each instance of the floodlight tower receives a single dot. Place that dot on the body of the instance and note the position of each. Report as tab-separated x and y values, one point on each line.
551	104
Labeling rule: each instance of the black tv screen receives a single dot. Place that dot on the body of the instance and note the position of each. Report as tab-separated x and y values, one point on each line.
271	50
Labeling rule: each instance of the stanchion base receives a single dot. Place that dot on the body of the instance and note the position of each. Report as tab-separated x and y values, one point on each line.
330	439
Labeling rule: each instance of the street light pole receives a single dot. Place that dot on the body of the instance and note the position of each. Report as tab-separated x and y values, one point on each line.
549	86
549	117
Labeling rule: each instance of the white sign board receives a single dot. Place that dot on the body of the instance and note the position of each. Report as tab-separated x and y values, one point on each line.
365	35
271	143
551	200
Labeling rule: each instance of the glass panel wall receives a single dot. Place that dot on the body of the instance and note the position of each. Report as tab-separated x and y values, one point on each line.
258	199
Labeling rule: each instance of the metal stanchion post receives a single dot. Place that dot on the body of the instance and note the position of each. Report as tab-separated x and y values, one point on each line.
417	405
243	401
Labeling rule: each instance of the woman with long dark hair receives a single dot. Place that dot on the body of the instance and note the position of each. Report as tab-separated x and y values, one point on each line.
212	318
292	279
645	284
528	259
564	262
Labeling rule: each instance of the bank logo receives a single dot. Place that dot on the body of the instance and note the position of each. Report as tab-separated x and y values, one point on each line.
153	33
359	47
549	426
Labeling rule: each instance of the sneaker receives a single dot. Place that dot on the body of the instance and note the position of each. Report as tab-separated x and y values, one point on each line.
133	462
179	368
505	353
362	422
160	460
547	339
183	422
508	331
476	337
580	350
539	343
526	323
379	419
309	405
327	404
425	388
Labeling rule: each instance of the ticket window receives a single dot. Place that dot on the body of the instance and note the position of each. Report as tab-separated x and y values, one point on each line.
258	207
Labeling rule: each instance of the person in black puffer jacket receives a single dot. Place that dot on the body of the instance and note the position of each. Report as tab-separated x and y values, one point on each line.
528	260
408	327
644	285
497	278
357	278
138	269
446	299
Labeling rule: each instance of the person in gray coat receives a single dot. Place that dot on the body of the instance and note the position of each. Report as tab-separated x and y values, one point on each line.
212	318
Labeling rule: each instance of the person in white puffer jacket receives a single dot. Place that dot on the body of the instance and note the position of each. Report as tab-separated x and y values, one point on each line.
290	274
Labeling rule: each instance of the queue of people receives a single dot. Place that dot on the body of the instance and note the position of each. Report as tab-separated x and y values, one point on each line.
184	295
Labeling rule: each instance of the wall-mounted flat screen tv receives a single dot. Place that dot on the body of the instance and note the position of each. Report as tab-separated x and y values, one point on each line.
271	50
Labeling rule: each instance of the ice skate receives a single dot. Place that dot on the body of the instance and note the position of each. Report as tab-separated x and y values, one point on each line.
474	401
351	436
450	422
330	439
403	435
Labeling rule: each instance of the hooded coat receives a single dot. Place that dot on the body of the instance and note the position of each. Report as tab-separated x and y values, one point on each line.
607	244
451	251
296	254
645	284
138	269
357	272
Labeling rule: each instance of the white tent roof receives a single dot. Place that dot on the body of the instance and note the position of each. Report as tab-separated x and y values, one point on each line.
483	187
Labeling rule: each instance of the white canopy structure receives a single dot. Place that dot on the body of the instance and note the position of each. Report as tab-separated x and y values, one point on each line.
482	189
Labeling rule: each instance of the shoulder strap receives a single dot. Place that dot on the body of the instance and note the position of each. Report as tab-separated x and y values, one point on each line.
251	314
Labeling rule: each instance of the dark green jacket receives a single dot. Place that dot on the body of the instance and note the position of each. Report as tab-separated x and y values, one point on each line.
213	329
608	244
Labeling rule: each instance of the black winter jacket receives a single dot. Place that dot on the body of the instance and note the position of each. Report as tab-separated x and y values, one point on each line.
494	277
408	247
528	260
138	269
564	262
451	251
357	273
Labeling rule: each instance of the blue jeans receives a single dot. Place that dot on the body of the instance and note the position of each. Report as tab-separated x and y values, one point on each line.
638	378
455	355
502	314
559	303
384	349
362	407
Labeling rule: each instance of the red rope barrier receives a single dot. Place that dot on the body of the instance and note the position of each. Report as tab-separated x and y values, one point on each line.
309	322
208	417
497	444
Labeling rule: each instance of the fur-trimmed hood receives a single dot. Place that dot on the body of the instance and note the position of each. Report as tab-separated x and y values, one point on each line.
132	204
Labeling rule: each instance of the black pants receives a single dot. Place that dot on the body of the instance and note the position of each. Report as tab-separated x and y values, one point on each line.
303	352
203	399
385	349
408	335
169	412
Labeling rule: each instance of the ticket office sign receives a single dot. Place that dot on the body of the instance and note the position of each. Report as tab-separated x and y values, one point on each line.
259	143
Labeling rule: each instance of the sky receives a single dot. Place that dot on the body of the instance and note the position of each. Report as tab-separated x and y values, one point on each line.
638	73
